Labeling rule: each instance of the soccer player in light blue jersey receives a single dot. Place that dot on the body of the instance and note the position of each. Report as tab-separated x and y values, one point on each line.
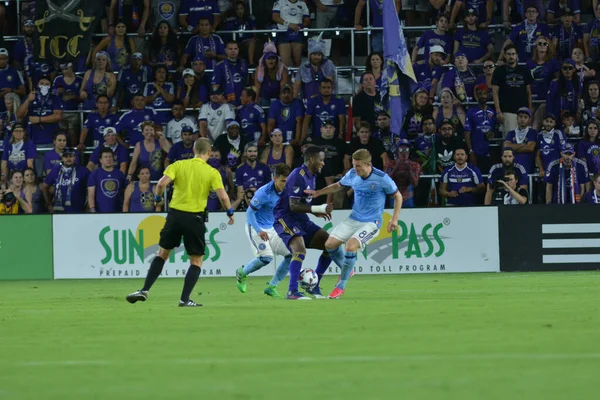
371	188
263	239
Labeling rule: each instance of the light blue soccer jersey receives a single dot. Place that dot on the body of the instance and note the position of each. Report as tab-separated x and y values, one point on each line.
369	194
260	212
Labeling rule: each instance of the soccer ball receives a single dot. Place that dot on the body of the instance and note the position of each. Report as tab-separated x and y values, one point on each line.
308	279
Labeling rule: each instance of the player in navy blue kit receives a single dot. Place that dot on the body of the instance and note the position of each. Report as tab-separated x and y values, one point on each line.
294	227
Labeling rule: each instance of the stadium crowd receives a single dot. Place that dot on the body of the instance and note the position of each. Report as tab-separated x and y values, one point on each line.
517	101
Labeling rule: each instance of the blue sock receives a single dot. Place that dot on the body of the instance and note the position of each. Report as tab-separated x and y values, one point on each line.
295	267
322	265
337	255
282	271
256	264
350	260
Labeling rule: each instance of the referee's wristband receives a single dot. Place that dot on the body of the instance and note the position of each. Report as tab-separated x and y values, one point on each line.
322	209
230	212
157	198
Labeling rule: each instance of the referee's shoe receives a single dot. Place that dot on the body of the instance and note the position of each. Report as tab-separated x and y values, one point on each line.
138	295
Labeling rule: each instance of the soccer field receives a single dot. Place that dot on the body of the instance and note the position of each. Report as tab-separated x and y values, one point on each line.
461	336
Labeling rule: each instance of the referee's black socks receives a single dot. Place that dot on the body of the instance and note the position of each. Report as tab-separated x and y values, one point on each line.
154	272
191	277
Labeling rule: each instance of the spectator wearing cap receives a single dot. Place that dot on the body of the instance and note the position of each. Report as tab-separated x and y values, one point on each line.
150	152
461	79
481	120
475	42
482	9
405	173
164	46
549	144
54	156
139	195
179	122
420	107
449	111
160	94
67	87
543	68
501	169
69	182
438	36
460	181
97	81
310	74
106	185
134	14
524	35
429	73
567	179
291	16
23	50
365	140
591	37
19	152
523	140
94	126
287	115
250	176
132	80
566	35
129	126
376	21
194	11
511	86
252	118
564	92
165	11
446	144
238	18
590	107
588	148
558	8
322	107
205	44
44	111
334	149
119	47
271	75
11	80
192	92
277	152
214	116
120	152
231	146
231	74
592	196
367	102
184	149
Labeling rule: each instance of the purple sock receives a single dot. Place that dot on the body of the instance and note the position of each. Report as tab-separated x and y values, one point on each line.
323	264
295	267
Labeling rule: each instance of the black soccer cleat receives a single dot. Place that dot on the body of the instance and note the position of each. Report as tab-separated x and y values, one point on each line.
189	303
139	295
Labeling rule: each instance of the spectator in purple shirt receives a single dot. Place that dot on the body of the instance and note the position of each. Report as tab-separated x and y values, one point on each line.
437	37
69	181
106	185
66	87
287	114
563	93
192	92
472	40
150	151
461	80
566	36
271	75
461	182
567	178
524	35
192	11
184	149
18	154
592	196
549	144
205	44
322	107
311	73
139	195
523	140
252	118
129	125
120	152
250	176
92	133
558	8
482	8
54	156
591	37
588	149
429	73
482	122
44	111
231	74
544	68
11	80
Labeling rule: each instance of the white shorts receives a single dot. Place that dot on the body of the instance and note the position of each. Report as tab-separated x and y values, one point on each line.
364	232
266	249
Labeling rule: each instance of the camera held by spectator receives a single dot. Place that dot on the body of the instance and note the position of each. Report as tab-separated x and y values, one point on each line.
506	191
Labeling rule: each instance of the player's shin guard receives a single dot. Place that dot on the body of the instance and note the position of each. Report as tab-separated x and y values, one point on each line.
256	264
295	267
153	272
282	271
193	273
350	260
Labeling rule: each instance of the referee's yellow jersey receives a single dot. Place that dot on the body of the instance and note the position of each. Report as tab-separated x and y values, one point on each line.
193	180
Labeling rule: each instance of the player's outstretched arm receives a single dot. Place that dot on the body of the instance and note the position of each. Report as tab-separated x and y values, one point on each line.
322	211
334	187
226	203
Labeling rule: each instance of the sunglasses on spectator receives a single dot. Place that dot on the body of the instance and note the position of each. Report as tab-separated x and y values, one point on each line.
543	44
568	68
403	150
489	66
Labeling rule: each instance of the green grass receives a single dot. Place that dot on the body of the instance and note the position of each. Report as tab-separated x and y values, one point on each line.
464	336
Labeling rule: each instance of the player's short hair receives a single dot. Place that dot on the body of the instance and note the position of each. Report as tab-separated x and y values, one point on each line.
311	151
364	125
281	170
202	146
362	155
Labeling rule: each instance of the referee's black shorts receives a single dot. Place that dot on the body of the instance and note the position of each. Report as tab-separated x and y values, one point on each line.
188	225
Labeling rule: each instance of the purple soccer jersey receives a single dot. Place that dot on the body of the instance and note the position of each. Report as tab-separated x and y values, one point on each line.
549	145
180	152
321	112
468	176
482	122
249	177
298	181
590	152
285	116
525	159
52	158
17	156
251	116
109	189
129	125
61	179
121	154
95	125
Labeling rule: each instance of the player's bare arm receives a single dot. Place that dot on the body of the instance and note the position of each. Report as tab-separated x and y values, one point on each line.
333	188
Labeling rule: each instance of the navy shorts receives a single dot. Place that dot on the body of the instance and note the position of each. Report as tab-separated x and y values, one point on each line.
290	37
287	228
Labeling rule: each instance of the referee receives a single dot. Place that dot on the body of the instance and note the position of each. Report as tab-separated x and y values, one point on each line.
193	180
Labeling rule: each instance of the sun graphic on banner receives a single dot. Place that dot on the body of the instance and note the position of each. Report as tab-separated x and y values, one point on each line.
151	226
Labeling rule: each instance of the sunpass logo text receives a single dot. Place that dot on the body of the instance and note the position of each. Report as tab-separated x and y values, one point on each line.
420	241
